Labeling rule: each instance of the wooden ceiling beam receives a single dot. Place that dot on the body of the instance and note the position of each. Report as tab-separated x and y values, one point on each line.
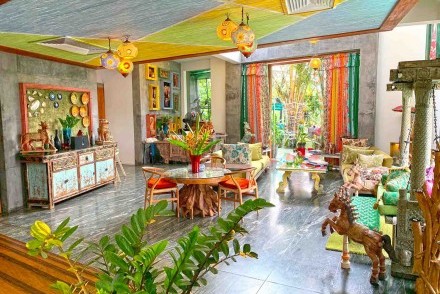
397	13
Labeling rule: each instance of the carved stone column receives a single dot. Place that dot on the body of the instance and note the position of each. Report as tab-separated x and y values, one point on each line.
423	121
405	129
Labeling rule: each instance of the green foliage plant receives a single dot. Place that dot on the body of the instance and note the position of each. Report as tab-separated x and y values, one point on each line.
69	122
129	264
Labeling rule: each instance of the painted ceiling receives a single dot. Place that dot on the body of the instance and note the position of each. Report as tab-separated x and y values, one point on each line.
173	28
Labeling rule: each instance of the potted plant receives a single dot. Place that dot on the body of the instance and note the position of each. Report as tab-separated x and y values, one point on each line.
197	143
301	140
68	124
129	264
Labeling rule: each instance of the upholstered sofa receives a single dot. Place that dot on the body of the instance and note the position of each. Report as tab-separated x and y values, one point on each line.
262	164
344	166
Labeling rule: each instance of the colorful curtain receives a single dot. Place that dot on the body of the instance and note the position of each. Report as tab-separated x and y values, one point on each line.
255	101
341	97
432	44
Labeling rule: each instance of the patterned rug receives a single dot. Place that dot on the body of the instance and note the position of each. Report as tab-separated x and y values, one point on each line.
367	216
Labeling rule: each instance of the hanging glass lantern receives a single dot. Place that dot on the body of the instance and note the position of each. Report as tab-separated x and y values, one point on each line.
125	67
243	35
127	50
315	63
248	50
225	29
109	60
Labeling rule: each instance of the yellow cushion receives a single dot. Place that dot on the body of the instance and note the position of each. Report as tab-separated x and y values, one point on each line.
373	160
350	154
256	151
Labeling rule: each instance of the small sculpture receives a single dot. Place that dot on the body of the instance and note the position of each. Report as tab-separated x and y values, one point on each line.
41	136
345	224
247	137
104	134
357	183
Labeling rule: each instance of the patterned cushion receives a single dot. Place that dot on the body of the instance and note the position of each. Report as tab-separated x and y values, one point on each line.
398	183
236	153
390	198
355	142
350	154
162	184
373	173
370	160
256	153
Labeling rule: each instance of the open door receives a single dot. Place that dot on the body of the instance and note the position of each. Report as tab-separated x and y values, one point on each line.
101	101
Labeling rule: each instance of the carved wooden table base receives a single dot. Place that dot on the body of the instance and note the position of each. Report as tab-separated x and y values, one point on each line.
199	198
317	187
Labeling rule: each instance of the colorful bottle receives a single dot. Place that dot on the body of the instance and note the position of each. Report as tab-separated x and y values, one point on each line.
57	141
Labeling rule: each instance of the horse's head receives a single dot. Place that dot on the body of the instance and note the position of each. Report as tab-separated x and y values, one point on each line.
336	203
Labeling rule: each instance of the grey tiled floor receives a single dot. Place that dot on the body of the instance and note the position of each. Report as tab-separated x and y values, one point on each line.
292	255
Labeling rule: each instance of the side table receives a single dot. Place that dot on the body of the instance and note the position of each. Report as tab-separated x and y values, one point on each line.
332	159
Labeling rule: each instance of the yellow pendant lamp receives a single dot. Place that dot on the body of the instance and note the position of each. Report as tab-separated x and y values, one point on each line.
225	29
125	67
315	63
109	60
127	50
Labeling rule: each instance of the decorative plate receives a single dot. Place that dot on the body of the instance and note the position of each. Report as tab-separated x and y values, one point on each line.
52	96
60	96
34	105
74	110
85	98
73	98
56	104
30	98
83	111
86	121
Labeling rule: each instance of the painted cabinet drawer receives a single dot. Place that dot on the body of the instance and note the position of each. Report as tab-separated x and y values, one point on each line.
104	153
64	183
87	176
86	158
37	181
64	162
105	170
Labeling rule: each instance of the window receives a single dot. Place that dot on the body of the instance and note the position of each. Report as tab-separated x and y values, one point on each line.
200	93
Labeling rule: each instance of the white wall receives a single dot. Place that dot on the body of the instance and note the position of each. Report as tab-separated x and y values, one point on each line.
119	111
401	44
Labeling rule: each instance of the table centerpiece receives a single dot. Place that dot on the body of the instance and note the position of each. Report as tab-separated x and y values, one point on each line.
197	143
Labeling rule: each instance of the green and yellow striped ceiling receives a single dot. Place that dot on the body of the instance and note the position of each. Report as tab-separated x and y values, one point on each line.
174	28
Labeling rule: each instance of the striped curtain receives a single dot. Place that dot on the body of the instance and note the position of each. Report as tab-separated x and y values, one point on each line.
432	44
255	101
341	97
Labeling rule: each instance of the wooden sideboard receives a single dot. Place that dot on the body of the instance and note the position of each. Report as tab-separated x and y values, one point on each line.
56	177
171	152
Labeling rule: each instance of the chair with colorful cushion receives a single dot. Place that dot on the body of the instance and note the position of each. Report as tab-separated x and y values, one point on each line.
157	184
238	186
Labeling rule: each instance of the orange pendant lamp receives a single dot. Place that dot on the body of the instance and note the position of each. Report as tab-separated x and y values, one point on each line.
125	67
244	38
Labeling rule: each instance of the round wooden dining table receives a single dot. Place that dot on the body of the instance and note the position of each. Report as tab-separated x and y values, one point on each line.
197	197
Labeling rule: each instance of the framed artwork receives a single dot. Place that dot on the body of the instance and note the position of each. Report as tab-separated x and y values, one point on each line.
154	98
176	101
175	79
164	74
151	72
167	101
151	125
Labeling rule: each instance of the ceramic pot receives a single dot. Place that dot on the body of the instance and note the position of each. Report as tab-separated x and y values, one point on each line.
301	149
195	163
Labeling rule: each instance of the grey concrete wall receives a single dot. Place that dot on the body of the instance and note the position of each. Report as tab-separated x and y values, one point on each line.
15	69
366	44
140	102
233	97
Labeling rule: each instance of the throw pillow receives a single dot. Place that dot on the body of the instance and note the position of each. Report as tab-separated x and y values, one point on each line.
398	183
350	155
355	142
390	198
256	153
370	160
236	153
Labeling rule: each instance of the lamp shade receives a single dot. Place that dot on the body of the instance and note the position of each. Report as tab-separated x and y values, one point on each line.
248	50
243	35
109	60
315	63
225	29
125	67
127	50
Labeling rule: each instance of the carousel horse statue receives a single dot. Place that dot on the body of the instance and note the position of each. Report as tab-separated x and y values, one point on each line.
345	224
357	183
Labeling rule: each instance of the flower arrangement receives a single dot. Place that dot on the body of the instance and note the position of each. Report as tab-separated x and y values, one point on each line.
196	142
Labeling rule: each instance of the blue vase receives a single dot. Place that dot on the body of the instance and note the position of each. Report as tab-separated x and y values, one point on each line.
66	136
165	128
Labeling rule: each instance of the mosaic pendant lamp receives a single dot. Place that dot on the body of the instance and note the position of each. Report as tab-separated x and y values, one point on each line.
125	67
127	50
109	60
243	37
315	63
225	29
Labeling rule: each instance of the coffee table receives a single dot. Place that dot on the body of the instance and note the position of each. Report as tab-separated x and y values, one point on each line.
314	171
